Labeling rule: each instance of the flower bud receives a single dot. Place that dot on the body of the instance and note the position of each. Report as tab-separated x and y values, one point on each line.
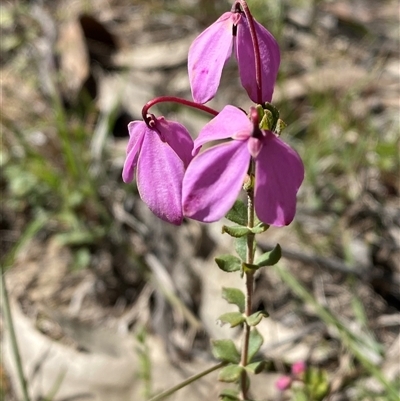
283	383
298	368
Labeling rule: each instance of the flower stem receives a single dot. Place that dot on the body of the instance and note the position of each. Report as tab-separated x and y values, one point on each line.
174	99
249	291
186	382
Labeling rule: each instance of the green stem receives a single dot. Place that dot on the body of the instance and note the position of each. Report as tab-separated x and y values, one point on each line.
186	382
14	344
249	293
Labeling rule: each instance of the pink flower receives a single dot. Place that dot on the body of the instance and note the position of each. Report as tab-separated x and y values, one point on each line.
213	47
298	368
161	153
215	177
283	383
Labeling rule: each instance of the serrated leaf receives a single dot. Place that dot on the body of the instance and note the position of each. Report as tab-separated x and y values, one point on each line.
234	296
228	263
229	394
256	367
235	231
255	342
225	351
269	258
230	373
259	228
238	213
256	318
233	318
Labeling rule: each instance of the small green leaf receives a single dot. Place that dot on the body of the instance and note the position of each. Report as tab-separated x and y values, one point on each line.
235	231
233	318
274	111
257	221
228	263
248	183
256	318
311	376
238	213
259	228
280	126
230	373
241	247
229	394
248	267
234	296
269	258
316	382
256	367
225	351
267	121
321	391
255	342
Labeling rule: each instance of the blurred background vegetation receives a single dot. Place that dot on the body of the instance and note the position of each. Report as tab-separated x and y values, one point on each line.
74	73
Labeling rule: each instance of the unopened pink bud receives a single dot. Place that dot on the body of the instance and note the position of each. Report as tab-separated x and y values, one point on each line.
283	383
298	368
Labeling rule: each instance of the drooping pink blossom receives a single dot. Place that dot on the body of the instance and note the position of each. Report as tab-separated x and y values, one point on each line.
215	177
213	47
160	153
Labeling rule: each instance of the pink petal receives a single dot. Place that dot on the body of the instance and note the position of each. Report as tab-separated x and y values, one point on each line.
137	131
230	122
270	60
159	178
207	57
178	137
213	181
279	174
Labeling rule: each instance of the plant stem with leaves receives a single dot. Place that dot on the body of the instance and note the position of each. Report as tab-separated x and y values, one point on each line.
249	282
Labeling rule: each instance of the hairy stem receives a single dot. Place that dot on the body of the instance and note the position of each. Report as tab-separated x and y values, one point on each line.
249	292
186	382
